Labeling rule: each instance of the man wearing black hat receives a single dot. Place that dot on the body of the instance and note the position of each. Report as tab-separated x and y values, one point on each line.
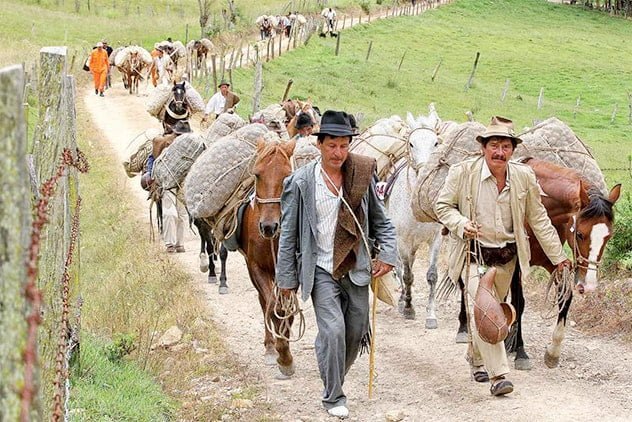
485	203
224	101
330	216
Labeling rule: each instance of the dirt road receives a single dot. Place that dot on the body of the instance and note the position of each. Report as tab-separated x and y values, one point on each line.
421	374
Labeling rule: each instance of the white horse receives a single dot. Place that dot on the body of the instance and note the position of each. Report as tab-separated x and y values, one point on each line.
400	149
411	234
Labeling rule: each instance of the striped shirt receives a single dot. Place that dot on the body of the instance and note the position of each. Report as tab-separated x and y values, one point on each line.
327	206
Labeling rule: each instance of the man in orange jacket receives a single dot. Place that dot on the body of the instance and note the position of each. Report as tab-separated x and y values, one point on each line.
99	64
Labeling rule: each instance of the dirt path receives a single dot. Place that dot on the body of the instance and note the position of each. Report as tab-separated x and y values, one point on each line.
421	374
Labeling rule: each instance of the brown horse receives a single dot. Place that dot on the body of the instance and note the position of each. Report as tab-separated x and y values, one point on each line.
131	69
583	218
259	242
294	108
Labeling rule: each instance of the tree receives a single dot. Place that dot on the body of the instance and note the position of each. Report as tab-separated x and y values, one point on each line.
205	13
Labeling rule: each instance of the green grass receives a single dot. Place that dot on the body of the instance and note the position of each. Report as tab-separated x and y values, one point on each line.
104	390
568	51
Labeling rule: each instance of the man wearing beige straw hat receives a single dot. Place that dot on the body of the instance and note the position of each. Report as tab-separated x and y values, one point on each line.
224	101
485	203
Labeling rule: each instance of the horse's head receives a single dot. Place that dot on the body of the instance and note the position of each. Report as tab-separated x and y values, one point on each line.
272	165
179	95
423	137
590	230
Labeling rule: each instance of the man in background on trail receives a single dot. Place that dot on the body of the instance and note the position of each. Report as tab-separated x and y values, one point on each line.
109	50
223	101
330	214
99	64
304	125
485	203
330	19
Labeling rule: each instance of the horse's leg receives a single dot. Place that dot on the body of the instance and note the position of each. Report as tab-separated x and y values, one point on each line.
462	332
285	361
203	256
210	250
514	341
431	277
223	256
406	305
553	350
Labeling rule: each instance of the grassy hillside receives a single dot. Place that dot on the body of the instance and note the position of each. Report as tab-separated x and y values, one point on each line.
568	51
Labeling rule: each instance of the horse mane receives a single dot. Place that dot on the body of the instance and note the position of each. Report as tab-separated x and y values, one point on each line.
598	206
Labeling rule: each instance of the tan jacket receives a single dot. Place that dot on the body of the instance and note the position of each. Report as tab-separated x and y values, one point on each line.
458	198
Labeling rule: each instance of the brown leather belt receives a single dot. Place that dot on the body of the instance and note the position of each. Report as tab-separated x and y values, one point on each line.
496	256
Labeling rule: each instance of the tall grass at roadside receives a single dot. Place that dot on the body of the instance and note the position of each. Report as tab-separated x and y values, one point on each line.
133	290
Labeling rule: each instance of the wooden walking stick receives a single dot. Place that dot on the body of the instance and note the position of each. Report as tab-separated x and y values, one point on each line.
372	344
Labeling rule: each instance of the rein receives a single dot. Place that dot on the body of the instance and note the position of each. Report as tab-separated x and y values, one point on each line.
580	260
274	200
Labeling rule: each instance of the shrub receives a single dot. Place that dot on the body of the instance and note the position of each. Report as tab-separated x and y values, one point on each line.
619	250
365	5
122	345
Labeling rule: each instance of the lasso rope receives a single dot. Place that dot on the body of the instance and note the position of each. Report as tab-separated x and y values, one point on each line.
564	282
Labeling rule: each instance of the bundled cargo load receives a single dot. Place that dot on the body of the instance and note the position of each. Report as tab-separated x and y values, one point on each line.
305	151
223	170
173	164
386	141
225	124
552	140
160	96
459	144
137	161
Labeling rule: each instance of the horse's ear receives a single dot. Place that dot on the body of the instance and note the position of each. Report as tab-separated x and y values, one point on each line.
410	119
583	193
288	147
614	193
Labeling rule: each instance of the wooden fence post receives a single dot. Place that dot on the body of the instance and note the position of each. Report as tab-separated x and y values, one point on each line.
338	43
541	98
468	84
576	108
504	93
401	61
15	222
287	90
368	53
214	70
258	88
436	69
630	108
614	114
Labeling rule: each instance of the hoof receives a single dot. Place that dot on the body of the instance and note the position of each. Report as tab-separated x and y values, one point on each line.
523	364
431	323
223	290
550	360
203	262
287	371
212	279
408	313
270	358
461	337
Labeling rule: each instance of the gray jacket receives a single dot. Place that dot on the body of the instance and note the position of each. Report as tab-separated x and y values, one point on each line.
296	261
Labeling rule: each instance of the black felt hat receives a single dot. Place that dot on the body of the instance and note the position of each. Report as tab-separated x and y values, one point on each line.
303	120
181	126
223	82
336	123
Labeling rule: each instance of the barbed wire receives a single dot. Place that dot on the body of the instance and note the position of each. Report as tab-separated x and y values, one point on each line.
32	293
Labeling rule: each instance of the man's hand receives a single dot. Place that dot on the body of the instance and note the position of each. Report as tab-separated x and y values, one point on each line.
470	230
287	292
380	268
566	263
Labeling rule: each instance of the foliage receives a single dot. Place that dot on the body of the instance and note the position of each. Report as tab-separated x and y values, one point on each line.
122	345
365	5
103	389
619	253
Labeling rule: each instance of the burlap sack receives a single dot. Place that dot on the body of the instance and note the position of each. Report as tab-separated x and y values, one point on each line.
553	141
137	160
173	164
386	141
459	143
225	124
221	168
305	151
157	99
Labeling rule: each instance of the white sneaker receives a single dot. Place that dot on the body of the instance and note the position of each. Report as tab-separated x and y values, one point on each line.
339	411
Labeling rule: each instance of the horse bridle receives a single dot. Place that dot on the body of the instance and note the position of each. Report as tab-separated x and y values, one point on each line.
276	200
178	103
580	260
